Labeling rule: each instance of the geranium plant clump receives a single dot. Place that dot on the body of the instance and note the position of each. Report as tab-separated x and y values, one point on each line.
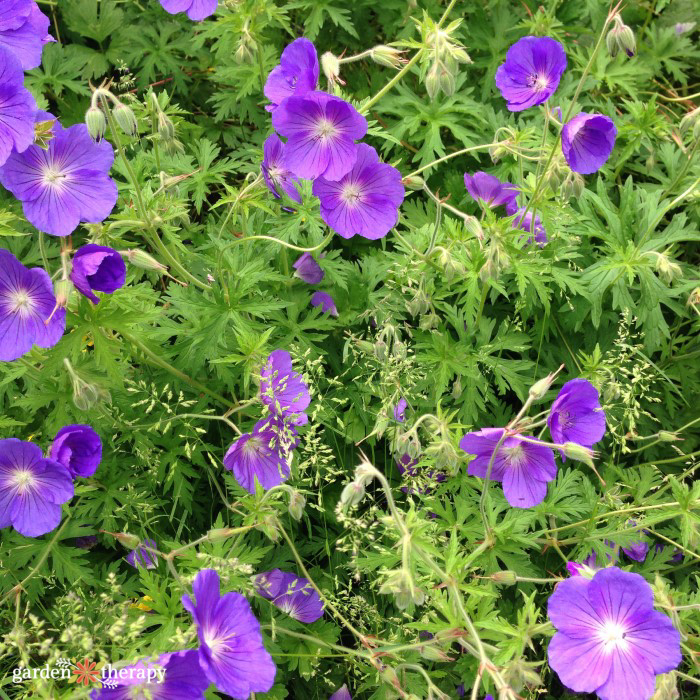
338	362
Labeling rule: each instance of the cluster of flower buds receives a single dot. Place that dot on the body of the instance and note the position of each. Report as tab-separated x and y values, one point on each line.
445	56
620	38
96	120
667	269
401	585
85	395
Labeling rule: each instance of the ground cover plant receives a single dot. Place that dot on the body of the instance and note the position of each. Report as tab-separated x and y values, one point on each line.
349	349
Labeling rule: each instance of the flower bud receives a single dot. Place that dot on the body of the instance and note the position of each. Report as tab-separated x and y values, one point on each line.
270	527
166	128
96	123
620	38
579	453
43	133
665	436
432	82
62	291
296	504
666	687
414	182
447	82
130	541
125	118
352	495
85	395
473	226
331	67
387	56
433	653
144	261
507	578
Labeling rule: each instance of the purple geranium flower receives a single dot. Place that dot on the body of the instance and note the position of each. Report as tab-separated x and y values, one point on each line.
231	651
325	301
308	269
365	200
17	107
65	184
24	31
531	72
526	224
99	268
576	415
321	131
258	456
175	676
282	389
32	488
587	567
78	448
524	467
277	175
292	594
196	10
341	694
490	190
297	73
609	639
400	410
587	141
28	313
142	556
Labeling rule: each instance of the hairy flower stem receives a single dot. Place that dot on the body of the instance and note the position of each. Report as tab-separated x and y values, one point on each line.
480	147
322	244
328	603
602	516
541	179
364	109
157	360
153	237
449	581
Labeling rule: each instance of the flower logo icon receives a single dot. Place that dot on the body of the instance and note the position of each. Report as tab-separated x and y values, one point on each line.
86	672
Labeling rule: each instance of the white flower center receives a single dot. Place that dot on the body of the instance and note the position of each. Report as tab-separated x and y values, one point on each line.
514	454
325	129
53	176
613	635
20	301
351	193
539	82
23	479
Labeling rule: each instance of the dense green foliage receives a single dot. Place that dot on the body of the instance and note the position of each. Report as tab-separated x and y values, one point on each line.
460	327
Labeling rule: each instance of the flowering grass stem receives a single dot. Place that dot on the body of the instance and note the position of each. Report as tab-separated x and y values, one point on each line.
157	360
471	149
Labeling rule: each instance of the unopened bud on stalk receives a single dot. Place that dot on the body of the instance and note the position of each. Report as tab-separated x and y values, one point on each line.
433	653
96	123
507	578
414	182
432	81
331	67
388	56
62	291
220	533
666	688
620	38
498	150
667	268
578	453
130	541
541	387
352	495
125	118
296	504
166	128
665	436
141	259
473	226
